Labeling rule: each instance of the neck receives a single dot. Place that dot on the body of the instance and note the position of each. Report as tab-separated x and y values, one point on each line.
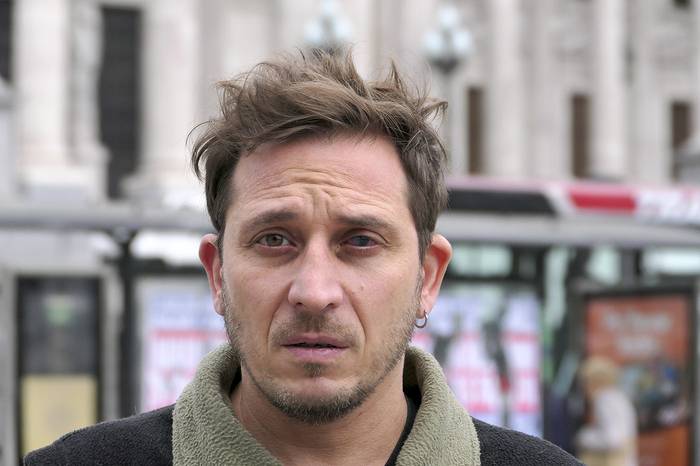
367	435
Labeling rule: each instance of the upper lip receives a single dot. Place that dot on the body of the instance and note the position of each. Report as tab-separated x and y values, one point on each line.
314	339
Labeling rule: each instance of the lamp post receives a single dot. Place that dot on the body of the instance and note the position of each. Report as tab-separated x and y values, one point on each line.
329	31
446	47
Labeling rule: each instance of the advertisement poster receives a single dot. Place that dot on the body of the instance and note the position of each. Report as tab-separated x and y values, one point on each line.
178	327
45	420
487	339
58	356
649	336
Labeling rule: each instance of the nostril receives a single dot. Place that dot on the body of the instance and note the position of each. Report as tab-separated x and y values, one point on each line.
314	289
315	306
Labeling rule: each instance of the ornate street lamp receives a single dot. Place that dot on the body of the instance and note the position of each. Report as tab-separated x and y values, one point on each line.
449	44
330	31
446	47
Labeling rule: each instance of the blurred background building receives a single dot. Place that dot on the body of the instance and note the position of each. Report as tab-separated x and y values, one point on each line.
574	149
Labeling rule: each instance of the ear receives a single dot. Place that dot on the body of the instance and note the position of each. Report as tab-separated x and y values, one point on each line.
437	256
211	260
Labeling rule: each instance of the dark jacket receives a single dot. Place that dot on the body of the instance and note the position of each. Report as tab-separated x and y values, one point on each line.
146	439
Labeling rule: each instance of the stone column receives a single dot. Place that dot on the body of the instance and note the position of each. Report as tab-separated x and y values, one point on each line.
7	150
41	64
291	19
505	154
212	51
364	39
650	162
86	45
458	122
609	154
247	29
170	96
386	21
547	100
411	20
696	97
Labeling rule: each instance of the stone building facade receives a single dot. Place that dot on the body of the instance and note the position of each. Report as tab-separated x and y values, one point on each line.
554	89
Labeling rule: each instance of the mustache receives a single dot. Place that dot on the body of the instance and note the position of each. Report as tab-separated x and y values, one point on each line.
305	322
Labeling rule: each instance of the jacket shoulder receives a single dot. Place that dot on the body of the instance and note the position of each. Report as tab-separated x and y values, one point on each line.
504	446
142	439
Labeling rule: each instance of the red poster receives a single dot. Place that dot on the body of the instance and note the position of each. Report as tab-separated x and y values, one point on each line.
649	336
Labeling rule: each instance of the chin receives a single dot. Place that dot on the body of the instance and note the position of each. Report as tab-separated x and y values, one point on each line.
318	403
319	388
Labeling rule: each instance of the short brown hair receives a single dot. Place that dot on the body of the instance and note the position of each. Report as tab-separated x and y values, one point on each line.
320	94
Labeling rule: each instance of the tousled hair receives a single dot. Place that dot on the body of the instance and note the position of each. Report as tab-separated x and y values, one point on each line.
322	94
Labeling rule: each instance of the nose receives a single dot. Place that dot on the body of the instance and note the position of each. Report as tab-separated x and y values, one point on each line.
315	286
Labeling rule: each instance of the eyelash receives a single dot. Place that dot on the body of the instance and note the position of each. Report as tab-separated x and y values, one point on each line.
261	241
367	237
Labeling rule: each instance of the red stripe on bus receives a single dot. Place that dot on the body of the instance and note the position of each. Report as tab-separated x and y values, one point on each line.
615	201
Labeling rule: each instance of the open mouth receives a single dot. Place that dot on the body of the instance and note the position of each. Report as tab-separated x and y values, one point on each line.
315	347
312	345
314	341
314	352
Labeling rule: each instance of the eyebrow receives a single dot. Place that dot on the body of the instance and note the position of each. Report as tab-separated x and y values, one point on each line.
272	217
267	218
364	221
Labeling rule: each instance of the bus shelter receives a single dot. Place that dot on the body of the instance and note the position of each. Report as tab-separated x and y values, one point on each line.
123	333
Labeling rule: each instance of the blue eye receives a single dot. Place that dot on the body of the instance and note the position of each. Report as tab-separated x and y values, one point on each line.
273	240
361	241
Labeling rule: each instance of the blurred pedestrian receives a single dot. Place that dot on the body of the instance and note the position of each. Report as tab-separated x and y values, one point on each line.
610	436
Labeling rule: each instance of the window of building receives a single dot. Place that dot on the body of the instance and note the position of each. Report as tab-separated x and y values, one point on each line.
475	130
681	130
119	94
5	38
580	135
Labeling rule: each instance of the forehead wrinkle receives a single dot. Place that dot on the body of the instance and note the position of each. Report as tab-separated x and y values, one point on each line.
313	182
321	184
346	182
292	207
342	178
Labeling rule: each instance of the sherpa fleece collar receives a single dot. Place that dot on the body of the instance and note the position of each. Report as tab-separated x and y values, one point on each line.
206	432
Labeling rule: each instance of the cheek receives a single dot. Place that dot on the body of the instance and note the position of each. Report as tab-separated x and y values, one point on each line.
256	297
382	301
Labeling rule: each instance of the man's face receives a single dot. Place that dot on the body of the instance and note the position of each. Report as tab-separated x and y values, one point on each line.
320	280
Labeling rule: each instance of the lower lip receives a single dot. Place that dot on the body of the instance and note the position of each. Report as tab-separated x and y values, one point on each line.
308	354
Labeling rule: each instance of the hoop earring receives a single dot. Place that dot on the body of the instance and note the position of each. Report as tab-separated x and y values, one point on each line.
424	323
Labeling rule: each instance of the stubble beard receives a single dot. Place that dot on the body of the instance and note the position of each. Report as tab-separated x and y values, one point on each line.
327	409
